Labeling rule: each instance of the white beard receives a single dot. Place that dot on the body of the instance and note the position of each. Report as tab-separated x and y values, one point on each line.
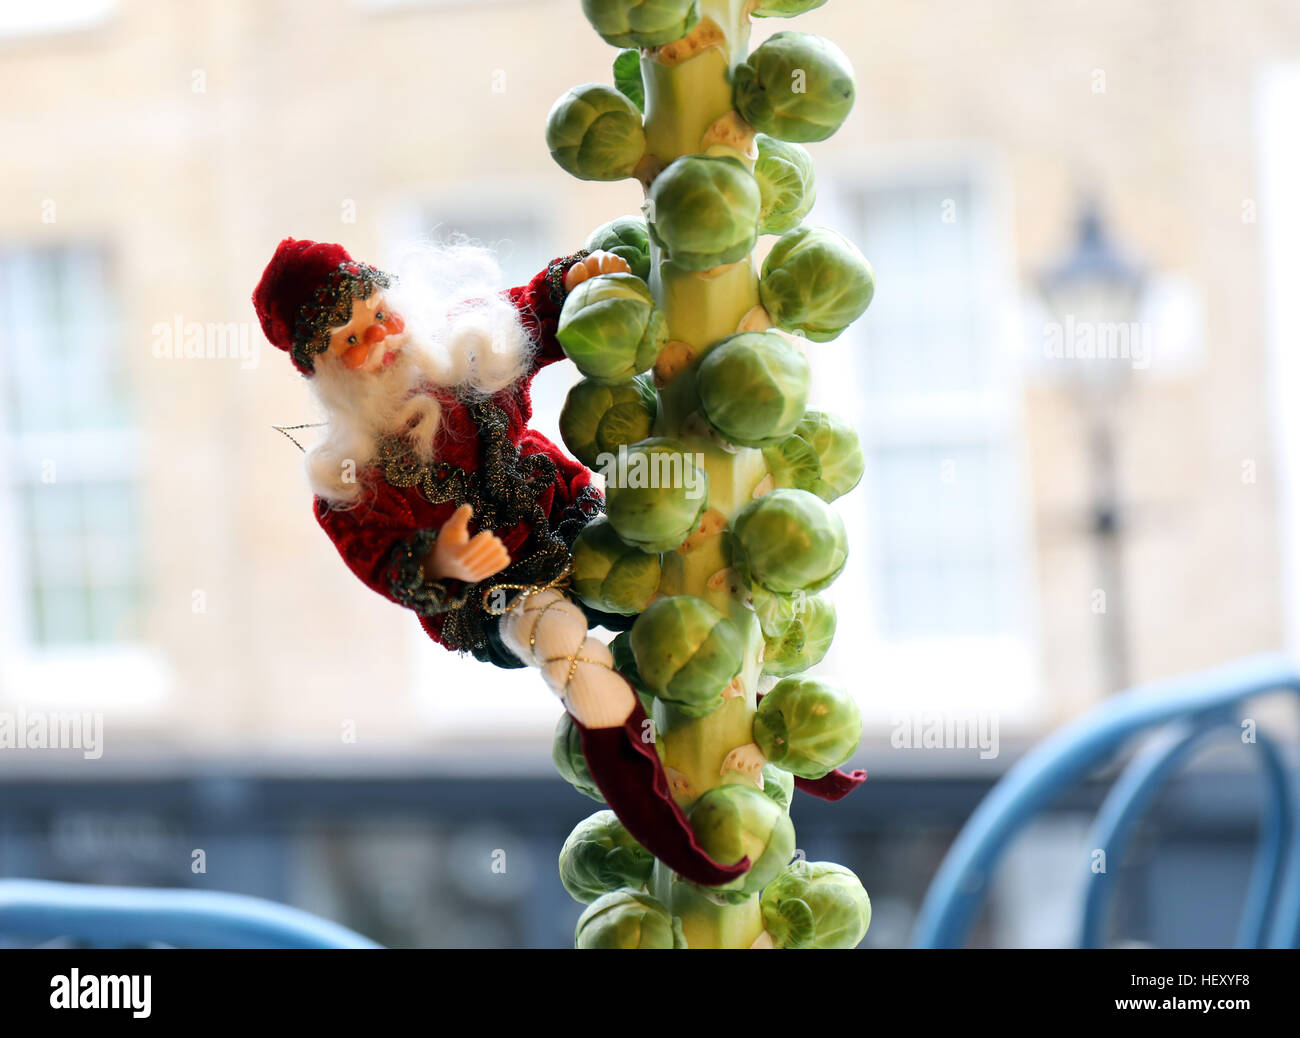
474	349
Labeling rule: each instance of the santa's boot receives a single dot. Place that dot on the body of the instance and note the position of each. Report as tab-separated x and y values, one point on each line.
546	630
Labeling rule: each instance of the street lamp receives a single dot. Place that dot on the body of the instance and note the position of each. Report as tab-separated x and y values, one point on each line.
1094	294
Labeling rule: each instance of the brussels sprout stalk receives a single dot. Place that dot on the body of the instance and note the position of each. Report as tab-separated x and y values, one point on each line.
702	308
703	217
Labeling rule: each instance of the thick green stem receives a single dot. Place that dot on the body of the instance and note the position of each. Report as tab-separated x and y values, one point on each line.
685	97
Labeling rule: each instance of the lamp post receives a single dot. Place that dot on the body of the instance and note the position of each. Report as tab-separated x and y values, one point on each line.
1094	293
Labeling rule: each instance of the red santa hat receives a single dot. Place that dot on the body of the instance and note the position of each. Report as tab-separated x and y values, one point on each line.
306	290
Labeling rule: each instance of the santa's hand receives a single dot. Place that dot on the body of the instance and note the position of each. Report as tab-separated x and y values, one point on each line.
599	262
458	556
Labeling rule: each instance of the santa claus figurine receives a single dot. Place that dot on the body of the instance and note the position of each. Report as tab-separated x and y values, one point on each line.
440	498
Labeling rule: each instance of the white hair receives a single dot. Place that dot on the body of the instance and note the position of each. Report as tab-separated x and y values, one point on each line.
462	335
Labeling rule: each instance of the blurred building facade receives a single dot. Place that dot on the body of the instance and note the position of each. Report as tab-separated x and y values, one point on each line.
162	563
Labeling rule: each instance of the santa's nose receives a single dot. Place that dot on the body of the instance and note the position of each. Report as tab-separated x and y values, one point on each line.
375	333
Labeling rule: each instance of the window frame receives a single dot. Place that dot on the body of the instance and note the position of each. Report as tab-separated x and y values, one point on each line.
130	677
934	674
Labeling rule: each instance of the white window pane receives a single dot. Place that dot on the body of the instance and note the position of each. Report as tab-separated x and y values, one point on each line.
61	616
57	561
64	402
113	614
943	561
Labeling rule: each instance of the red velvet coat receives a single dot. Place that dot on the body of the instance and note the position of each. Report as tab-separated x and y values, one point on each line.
489	457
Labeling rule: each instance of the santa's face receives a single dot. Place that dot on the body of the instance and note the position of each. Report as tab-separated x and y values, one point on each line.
372	340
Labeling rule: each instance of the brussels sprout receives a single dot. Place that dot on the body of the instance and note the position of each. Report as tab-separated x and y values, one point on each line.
776	613
807	726
805	642
839	454
788	540
783	644
609	575
627	77
610	327
816	904
778	786
796	86
815	282
625	663
627	919
599	419
595	133
784	8
703	211
627	238
566	751
656	494
753	388
786	182
641	23
600	857
686	652
793	464
732	822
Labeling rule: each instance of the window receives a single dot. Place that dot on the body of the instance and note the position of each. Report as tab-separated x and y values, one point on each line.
71	592
71	457
933	604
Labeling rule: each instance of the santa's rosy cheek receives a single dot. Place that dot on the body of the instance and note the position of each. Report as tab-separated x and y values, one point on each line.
356	356
394	324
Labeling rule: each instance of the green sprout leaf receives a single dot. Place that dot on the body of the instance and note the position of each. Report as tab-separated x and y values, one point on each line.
787	183
627	77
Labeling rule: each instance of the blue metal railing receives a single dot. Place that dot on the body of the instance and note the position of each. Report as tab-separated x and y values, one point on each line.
126	916
1194	708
